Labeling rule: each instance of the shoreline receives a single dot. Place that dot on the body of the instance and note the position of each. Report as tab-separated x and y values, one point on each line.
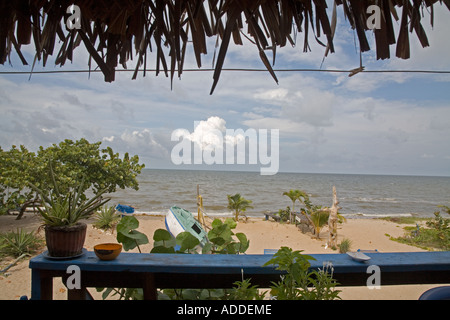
365	234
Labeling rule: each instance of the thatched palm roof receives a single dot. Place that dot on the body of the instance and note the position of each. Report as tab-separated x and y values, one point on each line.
114	31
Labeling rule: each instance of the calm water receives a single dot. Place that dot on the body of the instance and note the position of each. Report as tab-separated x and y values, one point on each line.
359	195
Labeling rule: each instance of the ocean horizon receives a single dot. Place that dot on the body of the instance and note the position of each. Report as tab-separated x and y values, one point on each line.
360	195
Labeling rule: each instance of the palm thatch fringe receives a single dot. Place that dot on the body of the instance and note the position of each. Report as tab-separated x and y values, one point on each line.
114	31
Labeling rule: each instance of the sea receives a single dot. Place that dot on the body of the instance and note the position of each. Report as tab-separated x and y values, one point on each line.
360	196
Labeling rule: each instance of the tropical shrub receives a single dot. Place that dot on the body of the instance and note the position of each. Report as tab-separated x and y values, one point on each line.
345	245
221	238
66	208
106	218
16	243
128	235
239	205
436	236
295	195
102	169
284	214
300	283
319	220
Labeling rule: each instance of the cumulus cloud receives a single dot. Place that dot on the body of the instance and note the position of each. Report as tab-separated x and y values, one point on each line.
210	135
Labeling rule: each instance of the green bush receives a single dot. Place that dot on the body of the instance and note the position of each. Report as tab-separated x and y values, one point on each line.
106	218
299	283
18	242
436	236
345	245
284	214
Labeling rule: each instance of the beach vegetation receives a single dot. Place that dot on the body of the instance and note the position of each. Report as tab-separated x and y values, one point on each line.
19	242
345	245
284	214
106	218
128	235
319	219
221	239
435	235
404	220
66	208
295	195
239	205
299	282
102	169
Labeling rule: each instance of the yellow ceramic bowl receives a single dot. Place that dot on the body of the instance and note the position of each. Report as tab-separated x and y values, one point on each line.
107	251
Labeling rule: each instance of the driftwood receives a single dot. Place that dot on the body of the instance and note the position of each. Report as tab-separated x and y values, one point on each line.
14	262
332	221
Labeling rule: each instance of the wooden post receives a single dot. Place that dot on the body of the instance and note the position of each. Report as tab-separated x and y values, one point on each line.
332	221
200	216
149	287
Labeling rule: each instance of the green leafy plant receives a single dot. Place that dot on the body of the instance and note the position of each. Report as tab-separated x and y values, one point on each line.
436	236
440	224
102	169
298	283
319	219
284	214
68	208
106	218
243	290
221	238
163	242
295	195
239	205
128	235
16	243
345	245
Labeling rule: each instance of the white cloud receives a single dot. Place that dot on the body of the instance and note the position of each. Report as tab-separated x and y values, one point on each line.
211	134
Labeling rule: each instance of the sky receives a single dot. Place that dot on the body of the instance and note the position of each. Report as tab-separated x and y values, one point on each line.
371	123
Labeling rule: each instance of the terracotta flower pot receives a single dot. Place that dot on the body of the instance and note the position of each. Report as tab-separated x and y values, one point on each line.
65	241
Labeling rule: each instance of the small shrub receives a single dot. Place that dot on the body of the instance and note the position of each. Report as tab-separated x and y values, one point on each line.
345	245
18	242
299	283
106	218
436	236
284	214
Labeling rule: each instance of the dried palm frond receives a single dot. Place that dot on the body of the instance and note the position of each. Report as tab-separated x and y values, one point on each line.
116	30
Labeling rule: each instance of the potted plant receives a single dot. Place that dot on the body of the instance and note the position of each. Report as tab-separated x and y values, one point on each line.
61	213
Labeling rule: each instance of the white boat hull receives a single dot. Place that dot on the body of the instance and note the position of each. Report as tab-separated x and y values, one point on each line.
173	225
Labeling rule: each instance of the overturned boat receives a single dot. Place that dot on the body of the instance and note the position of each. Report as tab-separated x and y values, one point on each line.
179	220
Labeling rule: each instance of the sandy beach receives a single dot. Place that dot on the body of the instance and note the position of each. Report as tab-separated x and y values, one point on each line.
364	234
